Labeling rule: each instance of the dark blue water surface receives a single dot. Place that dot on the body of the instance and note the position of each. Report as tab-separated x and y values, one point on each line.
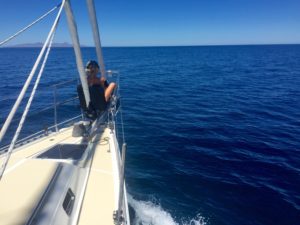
213	133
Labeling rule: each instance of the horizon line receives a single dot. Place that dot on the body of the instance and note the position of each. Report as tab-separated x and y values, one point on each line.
141	46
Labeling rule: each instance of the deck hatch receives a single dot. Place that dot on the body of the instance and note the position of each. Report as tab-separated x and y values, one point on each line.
69	202
64	151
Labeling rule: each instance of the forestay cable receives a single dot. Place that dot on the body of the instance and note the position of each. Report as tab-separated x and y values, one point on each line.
24	89
30	25
12	145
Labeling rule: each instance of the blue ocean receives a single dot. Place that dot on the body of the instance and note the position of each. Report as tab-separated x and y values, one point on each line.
213	132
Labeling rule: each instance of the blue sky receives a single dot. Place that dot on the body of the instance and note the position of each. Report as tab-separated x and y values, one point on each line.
163	22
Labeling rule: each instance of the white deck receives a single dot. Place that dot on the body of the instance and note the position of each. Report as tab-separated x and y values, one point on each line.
21	190
26	179
100	198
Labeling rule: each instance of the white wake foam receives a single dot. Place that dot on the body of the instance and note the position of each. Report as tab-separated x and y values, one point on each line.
149	213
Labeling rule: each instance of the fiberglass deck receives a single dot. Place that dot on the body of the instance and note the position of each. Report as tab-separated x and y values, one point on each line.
28	177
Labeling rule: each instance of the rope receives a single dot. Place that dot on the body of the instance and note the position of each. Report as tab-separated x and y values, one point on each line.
24	89
12	145
28	26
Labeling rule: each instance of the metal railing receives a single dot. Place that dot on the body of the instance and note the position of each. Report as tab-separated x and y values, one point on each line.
41	133
53	127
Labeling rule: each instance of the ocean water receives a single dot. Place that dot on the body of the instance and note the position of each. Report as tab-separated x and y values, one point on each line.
213	132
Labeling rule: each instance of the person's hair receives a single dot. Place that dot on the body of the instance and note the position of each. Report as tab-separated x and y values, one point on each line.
92	63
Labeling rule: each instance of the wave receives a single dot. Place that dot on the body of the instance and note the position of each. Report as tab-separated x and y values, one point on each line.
150	213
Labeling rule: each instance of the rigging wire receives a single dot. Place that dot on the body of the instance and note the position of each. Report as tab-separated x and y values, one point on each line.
26	109
20	126
30	25
30	76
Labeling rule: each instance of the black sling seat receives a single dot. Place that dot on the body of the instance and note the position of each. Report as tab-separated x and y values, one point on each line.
97	103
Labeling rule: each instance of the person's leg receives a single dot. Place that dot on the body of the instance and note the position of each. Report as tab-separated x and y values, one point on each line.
108	91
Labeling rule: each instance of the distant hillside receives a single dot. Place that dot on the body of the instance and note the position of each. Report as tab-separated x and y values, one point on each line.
40	44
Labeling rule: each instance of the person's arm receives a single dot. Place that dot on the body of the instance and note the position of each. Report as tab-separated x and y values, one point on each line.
109	90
